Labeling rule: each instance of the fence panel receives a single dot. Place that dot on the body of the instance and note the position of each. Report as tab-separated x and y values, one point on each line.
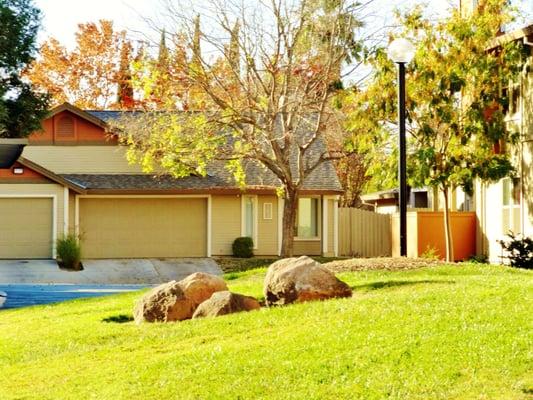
364	233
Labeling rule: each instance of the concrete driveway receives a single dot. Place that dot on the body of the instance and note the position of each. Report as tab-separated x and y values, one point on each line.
123	271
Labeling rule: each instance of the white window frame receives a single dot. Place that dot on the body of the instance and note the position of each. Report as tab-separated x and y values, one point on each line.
268	211
319	221
510	209
255	217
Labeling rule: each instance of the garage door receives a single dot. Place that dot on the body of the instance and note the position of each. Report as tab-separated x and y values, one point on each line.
26	227
143	227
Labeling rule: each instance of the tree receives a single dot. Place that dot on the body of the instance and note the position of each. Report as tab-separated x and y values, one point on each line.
21	108
455	102
270	109
88	76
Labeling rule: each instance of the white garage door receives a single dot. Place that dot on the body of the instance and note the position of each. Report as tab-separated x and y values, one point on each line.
26	227
143	227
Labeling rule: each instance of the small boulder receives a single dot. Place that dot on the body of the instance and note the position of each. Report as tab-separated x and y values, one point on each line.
222	303
200	286
301	279
164	303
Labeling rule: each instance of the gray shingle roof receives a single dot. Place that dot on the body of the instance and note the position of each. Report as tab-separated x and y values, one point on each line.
324	177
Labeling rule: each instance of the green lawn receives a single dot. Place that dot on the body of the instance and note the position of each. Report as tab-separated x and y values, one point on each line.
434	333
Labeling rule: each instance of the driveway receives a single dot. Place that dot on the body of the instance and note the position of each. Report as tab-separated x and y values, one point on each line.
105	272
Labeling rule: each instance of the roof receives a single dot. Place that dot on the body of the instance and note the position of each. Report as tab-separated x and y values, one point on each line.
217	179
388	194
323	178
511	36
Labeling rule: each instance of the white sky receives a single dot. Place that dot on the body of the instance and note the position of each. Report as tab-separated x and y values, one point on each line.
61	17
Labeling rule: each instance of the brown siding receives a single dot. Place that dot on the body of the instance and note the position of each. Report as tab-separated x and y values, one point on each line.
7	175
225	223
84	132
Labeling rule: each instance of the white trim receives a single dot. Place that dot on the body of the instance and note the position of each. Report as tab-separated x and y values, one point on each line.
77	215
243	217
336	226
280	223
65	211
54	211
270	207
324	224
209	226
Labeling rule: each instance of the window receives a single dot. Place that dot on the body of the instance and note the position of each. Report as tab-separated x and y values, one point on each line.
267	210
511	206
307	218
249	217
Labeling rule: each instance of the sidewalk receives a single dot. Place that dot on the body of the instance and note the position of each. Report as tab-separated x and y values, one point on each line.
117	272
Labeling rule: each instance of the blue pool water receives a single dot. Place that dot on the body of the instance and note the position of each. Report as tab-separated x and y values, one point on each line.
21	295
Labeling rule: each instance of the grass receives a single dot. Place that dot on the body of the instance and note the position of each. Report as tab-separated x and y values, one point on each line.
461	332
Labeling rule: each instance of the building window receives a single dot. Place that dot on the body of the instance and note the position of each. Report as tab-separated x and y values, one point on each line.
511	206
267	210
307	219
249	217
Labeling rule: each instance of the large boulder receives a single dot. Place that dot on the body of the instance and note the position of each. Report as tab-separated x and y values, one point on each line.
301	279
222	303
200	286
164	303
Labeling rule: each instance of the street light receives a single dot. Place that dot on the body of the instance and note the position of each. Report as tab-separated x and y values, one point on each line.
401	51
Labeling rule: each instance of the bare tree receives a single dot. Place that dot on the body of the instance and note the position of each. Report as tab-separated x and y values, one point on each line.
273	105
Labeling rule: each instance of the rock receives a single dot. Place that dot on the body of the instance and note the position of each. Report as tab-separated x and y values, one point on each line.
164	303
301	279
200	286
222	303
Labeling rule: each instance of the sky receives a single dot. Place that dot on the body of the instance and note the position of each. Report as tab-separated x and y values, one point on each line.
61	17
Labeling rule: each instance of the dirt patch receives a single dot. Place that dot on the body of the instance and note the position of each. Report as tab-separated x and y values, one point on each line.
381	263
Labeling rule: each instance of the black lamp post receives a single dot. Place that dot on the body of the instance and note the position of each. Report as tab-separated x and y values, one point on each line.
401	51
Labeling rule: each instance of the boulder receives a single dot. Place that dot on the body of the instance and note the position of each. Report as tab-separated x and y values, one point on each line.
200	286
164	303
222	303
301	279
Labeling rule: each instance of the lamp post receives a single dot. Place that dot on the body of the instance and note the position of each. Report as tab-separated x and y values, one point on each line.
401	51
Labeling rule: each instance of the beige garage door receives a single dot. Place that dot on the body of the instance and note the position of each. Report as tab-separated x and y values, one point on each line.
26	227
143	227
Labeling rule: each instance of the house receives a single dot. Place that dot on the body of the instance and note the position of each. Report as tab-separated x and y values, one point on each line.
74	177
386	201
508	204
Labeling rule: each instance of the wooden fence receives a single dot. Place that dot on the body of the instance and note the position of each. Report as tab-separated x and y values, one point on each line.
364	233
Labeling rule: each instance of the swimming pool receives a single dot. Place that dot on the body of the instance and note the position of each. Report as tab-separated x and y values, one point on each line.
23	295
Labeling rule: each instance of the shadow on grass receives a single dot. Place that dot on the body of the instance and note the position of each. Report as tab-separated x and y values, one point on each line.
118	319
391	284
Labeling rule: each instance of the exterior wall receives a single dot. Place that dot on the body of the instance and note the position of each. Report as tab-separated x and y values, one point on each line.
82	159
331	230
85	133
28	175
307	247
24	189
225	223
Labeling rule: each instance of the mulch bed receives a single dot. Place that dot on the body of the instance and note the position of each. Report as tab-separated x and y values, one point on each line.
381	263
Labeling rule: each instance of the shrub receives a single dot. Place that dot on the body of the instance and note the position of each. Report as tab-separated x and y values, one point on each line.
479	259
69	252
243	247
431	253
520	251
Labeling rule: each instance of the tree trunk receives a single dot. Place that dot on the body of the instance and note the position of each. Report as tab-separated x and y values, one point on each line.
289	220
447	227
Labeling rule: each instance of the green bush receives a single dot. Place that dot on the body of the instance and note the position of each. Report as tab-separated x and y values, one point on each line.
520	251
243	247
69	252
